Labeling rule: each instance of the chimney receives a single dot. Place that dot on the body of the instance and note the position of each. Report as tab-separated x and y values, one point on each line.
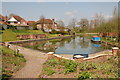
53	20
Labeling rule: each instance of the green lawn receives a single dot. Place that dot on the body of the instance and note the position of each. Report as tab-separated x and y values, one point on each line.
10	35
10	61
110	41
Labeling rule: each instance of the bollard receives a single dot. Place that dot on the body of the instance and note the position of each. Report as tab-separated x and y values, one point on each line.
115	50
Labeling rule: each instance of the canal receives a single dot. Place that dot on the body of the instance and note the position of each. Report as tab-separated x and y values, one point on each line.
73	45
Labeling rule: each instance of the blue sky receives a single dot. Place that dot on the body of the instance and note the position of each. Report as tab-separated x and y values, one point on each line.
58	10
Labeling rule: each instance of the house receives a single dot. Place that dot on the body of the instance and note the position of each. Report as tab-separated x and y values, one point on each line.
3	19
47	25
31	24
3	22
17	21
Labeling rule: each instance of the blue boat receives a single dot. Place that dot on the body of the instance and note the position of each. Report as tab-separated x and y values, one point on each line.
96	39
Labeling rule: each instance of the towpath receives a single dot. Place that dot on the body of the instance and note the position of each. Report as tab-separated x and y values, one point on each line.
34	62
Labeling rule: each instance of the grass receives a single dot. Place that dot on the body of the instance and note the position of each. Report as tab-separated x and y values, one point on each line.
10	35
10	62
83	70
108	40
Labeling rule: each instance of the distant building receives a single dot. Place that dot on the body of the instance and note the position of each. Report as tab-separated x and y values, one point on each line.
19	22
16	20
47	24
3	19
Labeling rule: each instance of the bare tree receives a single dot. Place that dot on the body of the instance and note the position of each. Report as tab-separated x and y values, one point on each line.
42	22
60	23
98	19
72	23
12	14
84	24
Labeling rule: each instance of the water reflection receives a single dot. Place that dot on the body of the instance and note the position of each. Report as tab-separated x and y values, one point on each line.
96	45
75	45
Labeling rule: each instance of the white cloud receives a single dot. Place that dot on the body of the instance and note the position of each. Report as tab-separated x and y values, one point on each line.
71	13
107	17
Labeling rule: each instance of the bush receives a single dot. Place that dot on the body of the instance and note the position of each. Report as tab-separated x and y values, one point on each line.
52	62
70	66
48	71
84	76
87	66
11	27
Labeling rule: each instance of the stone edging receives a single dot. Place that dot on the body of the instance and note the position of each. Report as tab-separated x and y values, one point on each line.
84	59
58	56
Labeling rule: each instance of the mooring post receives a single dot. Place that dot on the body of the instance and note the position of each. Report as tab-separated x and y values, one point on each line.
115	50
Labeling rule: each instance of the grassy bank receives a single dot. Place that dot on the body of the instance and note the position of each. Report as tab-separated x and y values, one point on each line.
11	62
10	35
116	43
54	68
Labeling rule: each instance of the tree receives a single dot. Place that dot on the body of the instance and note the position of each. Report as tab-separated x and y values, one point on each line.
98	19
84	24
60	23
12	14
34	26
72	23
42	21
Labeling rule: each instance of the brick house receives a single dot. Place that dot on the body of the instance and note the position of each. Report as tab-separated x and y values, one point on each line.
47	24
18	21
3	19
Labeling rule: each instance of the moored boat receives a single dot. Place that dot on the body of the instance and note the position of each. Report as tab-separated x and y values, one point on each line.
95	39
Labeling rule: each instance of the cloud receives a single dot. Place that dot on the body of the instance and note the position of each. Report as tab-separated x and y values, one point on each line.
71	13
107	17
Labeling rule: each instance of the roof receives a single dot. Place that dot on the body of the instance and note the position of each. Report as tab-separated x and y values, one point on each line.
30	22
95	36
45	21
18	18
3	17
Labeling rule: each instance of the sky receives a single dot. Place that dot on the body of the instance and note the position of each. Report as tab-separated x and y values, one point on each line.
64	11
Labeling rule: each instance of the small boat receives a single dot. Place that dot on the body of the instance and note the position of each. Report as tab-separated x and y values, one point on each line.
95	39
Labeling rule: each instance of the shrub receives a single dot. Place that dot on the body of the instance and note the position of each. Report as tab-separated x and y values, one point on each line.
52	62
84	76
87	66
48	71
70	66
11	27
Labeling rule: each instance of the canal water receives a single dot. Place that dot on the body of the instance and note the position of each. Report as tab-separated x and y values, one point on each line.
74	45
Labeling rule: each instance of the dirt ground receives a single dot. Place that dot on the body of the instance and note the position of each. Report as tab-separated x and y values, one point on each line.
34	62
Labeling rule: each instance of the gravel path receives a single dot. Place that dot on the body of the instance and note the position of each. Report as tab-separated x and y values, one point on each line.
34	62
